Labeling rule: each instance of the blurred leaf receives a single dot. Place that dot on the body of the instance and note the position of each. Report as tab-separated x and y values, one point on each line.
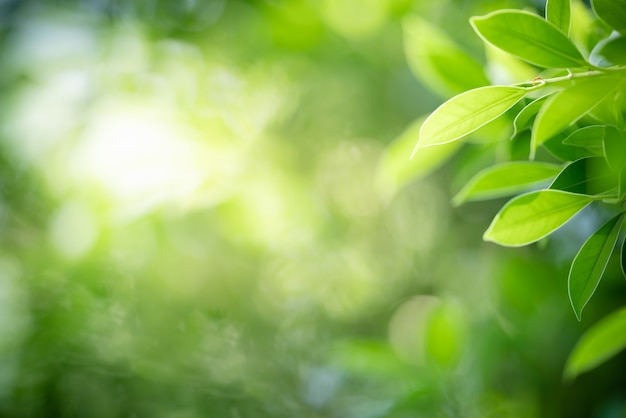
558	12
525	117
438	62
615	148
621	184
622	258
465	113
528	37
532	216
395	168
589	264
590	138
590	176
598	344
567	106
506	179
445	334
612	12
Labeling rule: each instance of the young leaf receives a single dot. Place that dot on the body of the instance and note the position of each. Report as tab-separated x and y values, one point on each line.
567	106
590	137
528	37
506	179
590	176
559	13
527	114
615	148
589	264
465	113
437	60
598	344
529	217
395	169
612	12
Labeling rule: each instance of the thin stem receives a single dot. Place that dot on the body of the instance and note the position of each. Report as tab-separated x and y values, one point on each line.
540	83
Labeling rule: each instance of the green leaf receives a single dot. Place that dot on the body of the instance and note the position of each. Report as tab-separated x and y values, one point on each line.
564	152
438	61
589	264
621	186
590	137
527	115
465	113
612	12
506	179
590	176
598	344
567	106
622	258
395	169
529	217
615	148
559	13
610	51
528	37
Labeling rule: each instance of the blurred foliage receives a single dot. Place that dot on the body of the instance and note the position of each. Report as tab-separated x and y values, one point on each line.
192	224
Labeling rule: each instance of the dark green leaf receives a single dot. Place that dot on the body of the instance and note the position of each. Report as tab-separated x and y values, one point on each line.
506	179
590	137
529	217
436	59
599	343
567	106
528	37
589	264
465	113
590	176
623	258
612	12
558	149
559	13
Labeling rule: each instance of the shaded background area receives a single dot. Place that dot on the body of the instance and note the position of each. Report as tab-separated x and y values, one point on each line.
193	223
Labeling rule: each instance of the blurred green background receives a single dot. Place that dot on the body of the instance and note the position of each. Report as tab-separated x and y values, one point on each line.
194	222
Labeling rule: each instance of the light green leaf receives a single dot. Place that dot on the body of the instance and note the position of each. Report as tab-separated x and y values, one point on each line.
590	176
527	114
615	148
567	106
612	12
395	169
506	179
438	61
599	343
590	137
559	13
528	37
465	113
529	217
589	264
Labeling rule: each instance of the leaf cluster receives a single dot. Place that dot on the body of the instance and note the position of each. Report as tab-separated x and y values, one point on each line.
568	122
